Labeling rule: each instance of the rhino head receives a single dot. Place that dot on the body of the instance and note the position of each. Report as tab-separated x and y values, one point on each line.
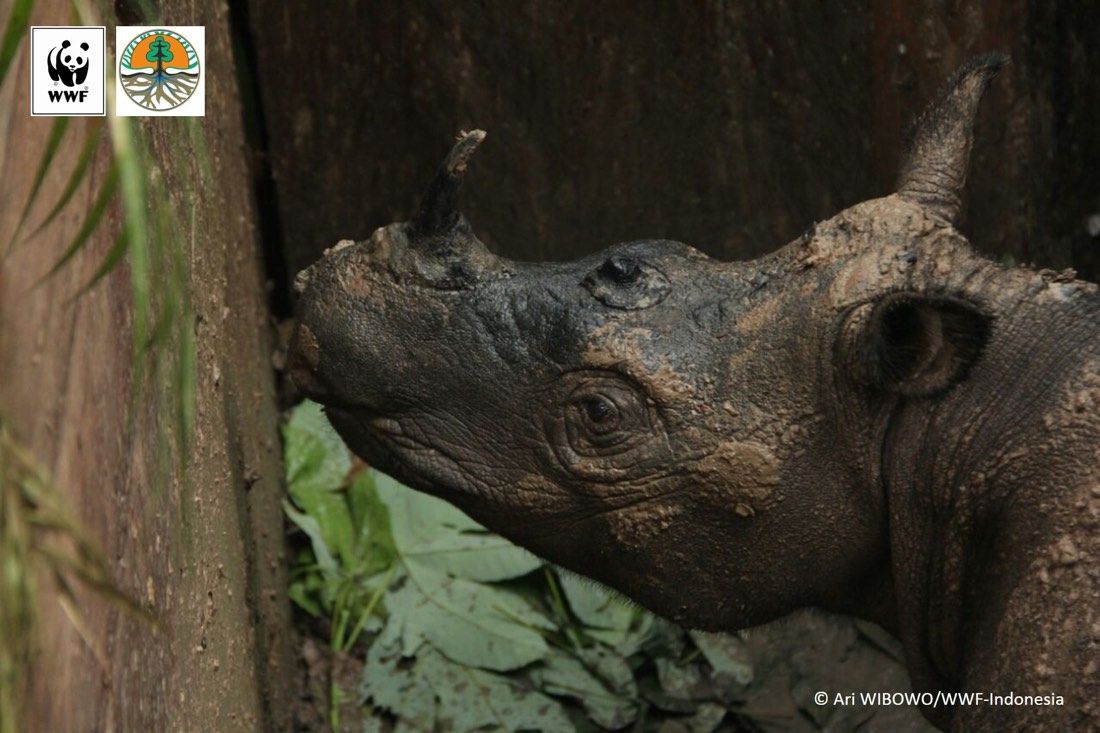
723	442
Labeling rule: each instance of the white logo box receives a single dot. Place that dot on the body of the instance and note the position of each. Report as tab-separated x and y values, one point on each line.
68	71
183	85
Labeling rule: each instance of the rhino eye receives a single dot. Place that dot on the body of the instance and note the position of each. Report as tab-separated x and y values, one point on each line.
605	422
627	283
601	413
603	427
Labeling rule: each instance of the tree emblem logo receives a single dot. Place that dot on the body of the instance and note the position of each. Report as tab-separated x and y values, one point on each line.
159	69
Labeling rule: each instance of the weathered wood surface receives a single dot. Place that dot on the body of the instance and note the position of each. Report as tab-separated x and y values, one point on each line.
731	126
201	548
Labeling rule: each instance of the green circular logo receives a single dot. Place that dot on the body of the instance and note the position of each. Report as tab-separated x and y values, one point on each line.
159	69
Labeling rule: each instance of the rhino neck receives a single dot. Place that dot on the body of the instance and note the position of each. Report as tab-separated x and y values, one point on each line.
975	479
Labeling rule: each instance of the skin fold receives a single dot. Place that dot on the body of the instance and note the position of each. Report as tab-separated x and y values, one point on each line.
874	419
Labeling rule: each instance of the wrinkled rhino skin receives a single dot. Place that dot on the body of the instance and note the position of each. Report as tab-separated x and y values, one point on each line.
874	419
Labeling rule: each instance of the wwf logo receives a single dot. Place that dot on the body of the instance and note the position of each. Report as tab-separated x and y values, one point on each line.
68	70
67	64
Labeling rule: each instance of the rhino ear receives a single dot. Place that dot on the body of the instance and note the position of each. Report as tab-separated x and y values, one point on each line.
919	346
934	171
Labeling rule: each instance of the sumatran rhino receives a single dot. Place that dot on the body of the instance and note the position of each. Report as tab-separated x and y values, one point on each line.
874	419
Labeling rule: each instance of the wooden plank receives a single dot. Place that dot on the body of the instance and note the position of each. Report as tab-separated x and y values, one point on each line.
202	548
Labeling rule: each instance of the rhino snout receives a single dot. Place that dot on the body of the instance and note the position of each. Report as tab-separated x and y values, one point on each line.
303	360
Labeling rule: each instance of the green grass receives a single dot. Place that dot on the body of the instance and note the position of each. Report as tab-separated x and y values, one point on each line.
41	541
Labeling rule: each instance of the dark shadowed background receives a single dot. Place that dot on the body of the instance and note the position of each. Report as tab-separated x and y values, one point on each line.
732	126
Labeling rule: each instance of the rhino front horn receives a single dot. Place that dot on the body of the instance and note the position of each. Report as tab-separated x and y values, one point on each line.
438	213
934	172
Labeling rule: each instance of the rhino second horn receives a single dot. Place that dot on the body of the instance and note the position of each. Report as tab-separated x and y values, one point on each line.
438	213
934	172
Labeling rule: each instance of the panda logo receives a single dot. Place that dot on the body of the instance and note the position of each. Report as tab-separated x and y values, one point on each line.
67	65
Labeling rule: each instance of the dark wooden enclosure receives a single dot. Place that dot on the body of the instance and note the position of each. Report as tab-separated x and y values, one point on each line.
732	126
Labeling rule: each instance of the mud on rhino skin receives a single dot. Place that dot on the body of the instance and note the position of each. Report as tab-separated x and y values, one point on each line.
873	420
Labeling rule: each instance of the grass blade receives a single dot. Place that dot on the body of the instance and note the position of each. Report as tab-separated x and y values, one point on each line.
127	159
91	221
66	598
13	35
40	537
112	258
57	132
91	142
97	579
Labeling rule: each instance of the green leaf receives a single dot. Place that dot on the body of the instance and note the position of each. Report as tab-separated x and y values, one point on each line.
374	725
594	604
305	597
13	34
475	555
87	151
472	623
708	717
628	641
433	693
317	464
330	510
436	535
57	132
652	691
312	528
143	244
375	550
564	675
678	680
726	655
112	258
665	639
316	457
91	220
610	668
691	681
473	699
468	621
395	686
